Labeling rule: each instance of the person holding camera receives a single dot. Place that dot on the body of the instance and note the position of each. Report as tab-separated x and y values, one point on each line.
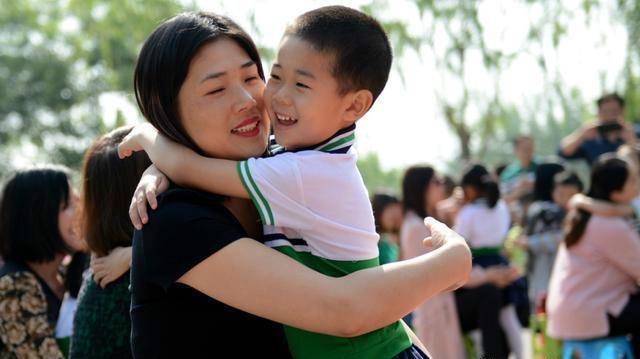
604	135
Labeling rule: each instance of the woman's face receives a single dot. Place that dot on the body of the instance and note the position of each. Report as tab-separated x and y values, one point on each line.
391	218
434	193
68	224
629	191
220	102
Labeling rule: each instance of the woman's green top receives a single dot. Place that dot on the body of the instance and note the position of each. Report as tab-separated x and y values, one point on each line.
102	325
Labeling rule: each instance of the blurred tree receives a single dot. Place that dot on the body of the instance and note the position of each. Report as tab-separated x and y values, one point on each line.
56	59
376	178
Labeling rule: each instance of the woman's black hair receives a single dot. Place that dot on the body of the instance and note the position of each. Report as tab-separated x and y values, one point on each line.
477	176
163	65
31	203
379	202
543	185
414	185
608	174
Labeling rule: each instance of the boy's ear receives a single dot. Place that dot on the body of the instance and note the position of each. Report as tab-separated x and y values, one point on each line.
359	103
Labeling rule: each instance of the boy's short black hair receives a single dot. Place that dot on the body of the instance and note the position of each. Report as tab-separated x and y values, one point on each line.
568	178
29	208
361	48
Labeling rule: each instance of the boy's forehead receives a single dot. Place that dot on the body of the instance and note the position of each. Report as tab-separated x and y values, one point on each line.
296	53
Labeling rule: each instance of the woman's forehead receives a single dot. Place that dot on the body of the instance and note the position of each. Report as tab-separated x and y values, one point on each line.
217	59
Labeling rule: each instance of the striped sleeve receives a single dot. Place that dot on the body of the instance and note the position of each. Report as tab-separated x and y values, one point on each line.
275	187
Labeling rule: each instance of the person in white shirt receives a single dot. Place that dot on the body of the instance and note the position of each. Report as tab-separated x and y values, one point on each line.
484	222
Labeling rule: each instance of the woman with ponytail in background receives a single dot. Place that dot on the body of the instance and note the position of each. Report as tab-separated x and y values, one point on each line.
593	290
484	221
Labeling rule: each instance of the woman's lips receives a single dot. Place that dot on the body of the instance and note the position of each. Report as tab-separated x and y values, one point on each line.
248	128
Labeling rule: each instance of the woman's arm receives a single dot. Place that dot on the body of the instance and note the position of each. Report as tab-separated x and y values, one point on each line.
598	207
182	165
24	329
251	277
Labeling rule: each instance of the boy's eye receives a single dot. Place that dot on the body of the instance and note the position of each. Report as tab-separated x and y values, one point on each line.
252	78
275	77
300	84
216	91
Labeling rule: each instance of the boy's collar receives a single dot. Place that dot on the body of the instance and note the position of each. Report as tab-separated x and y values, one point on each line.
340	142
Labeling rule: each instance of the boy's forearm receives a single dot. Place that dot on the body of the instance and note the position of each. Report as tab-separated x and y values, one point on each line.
189	169
602	208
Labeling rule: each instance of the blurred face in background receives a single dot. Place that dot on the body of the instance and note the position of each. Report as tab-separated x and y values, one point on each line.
562	194
610	111
524	150
629	191
392	218
68	222
435	193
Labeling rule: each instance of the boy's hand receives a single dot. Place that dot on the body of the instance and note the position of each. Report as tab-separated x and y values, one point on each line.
138	139
152	183
112	266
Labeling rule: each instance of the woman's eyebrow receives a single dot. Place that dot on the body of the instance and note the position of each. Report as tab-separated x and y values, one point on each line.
216	75
213	76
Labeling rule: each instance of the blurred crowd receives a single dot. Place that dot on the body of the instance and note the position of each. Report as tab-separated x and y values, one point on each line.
552	252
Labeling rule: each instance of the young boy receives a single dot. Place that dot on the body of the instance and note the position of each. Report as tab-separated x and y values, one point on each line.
332	64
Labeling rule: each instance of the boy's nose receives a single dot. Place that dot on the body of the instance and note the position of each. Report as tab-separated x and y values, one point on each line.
282	98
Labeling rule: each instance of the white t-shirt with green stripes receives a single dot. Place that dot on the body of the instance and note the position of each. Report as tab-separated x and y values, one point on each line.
316	209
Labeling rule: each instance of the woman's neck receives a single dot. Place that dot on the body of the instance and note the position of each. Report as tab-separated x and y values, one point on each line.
48	271
246	214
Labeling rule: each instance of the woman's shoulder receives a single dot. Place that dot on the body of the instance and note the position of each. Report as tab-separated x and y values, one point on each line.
609	223
16	277
180	205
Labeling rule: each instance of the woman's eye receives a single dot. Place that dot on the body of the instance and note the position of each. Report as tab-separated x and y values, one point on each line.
216	91
252	78
300	84
275	77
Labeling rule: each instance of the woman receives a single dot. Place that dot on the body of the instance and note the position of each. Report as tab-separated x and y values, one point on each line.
387	213
102	325
543	230
593	291
484	222
37	230
198	77
435	321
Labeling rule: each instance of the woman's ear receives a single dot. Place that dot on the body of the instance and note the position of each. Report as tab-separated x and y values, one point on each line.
358	103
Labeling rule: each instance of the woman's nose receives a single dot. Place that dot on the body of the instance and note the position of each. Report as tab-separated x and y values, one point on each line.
245	101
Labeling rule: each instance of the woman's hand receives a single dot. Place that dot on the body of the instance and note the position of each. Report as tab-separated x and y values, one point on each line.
139	139
152	183
112	266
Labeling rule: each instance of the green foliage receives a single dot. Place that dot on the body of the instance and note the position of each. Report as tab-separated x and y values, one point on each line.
378	179
57	58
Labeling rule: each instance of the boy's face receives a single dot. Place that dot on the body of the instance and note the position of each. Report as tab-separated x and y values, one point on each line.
562	194
302	96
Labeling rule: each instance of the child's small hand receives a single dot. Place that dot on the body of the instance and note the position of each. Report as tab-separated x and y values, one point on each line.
152	183
112	266
140	136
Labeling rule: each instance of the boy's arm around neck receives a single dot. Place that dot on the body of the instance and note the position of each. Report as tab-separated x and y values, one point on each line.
189	169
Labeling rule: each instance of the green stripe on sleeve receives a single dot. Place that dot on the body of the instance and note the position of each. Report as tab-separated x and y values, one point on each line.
252	193
264	210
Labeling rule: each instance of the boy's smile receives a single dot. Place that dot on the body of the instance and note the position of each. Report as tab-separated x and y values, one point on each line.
302	96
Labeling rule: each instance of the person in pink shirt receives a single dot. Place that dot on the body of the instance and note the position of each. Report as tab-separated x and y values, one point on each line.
593	290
